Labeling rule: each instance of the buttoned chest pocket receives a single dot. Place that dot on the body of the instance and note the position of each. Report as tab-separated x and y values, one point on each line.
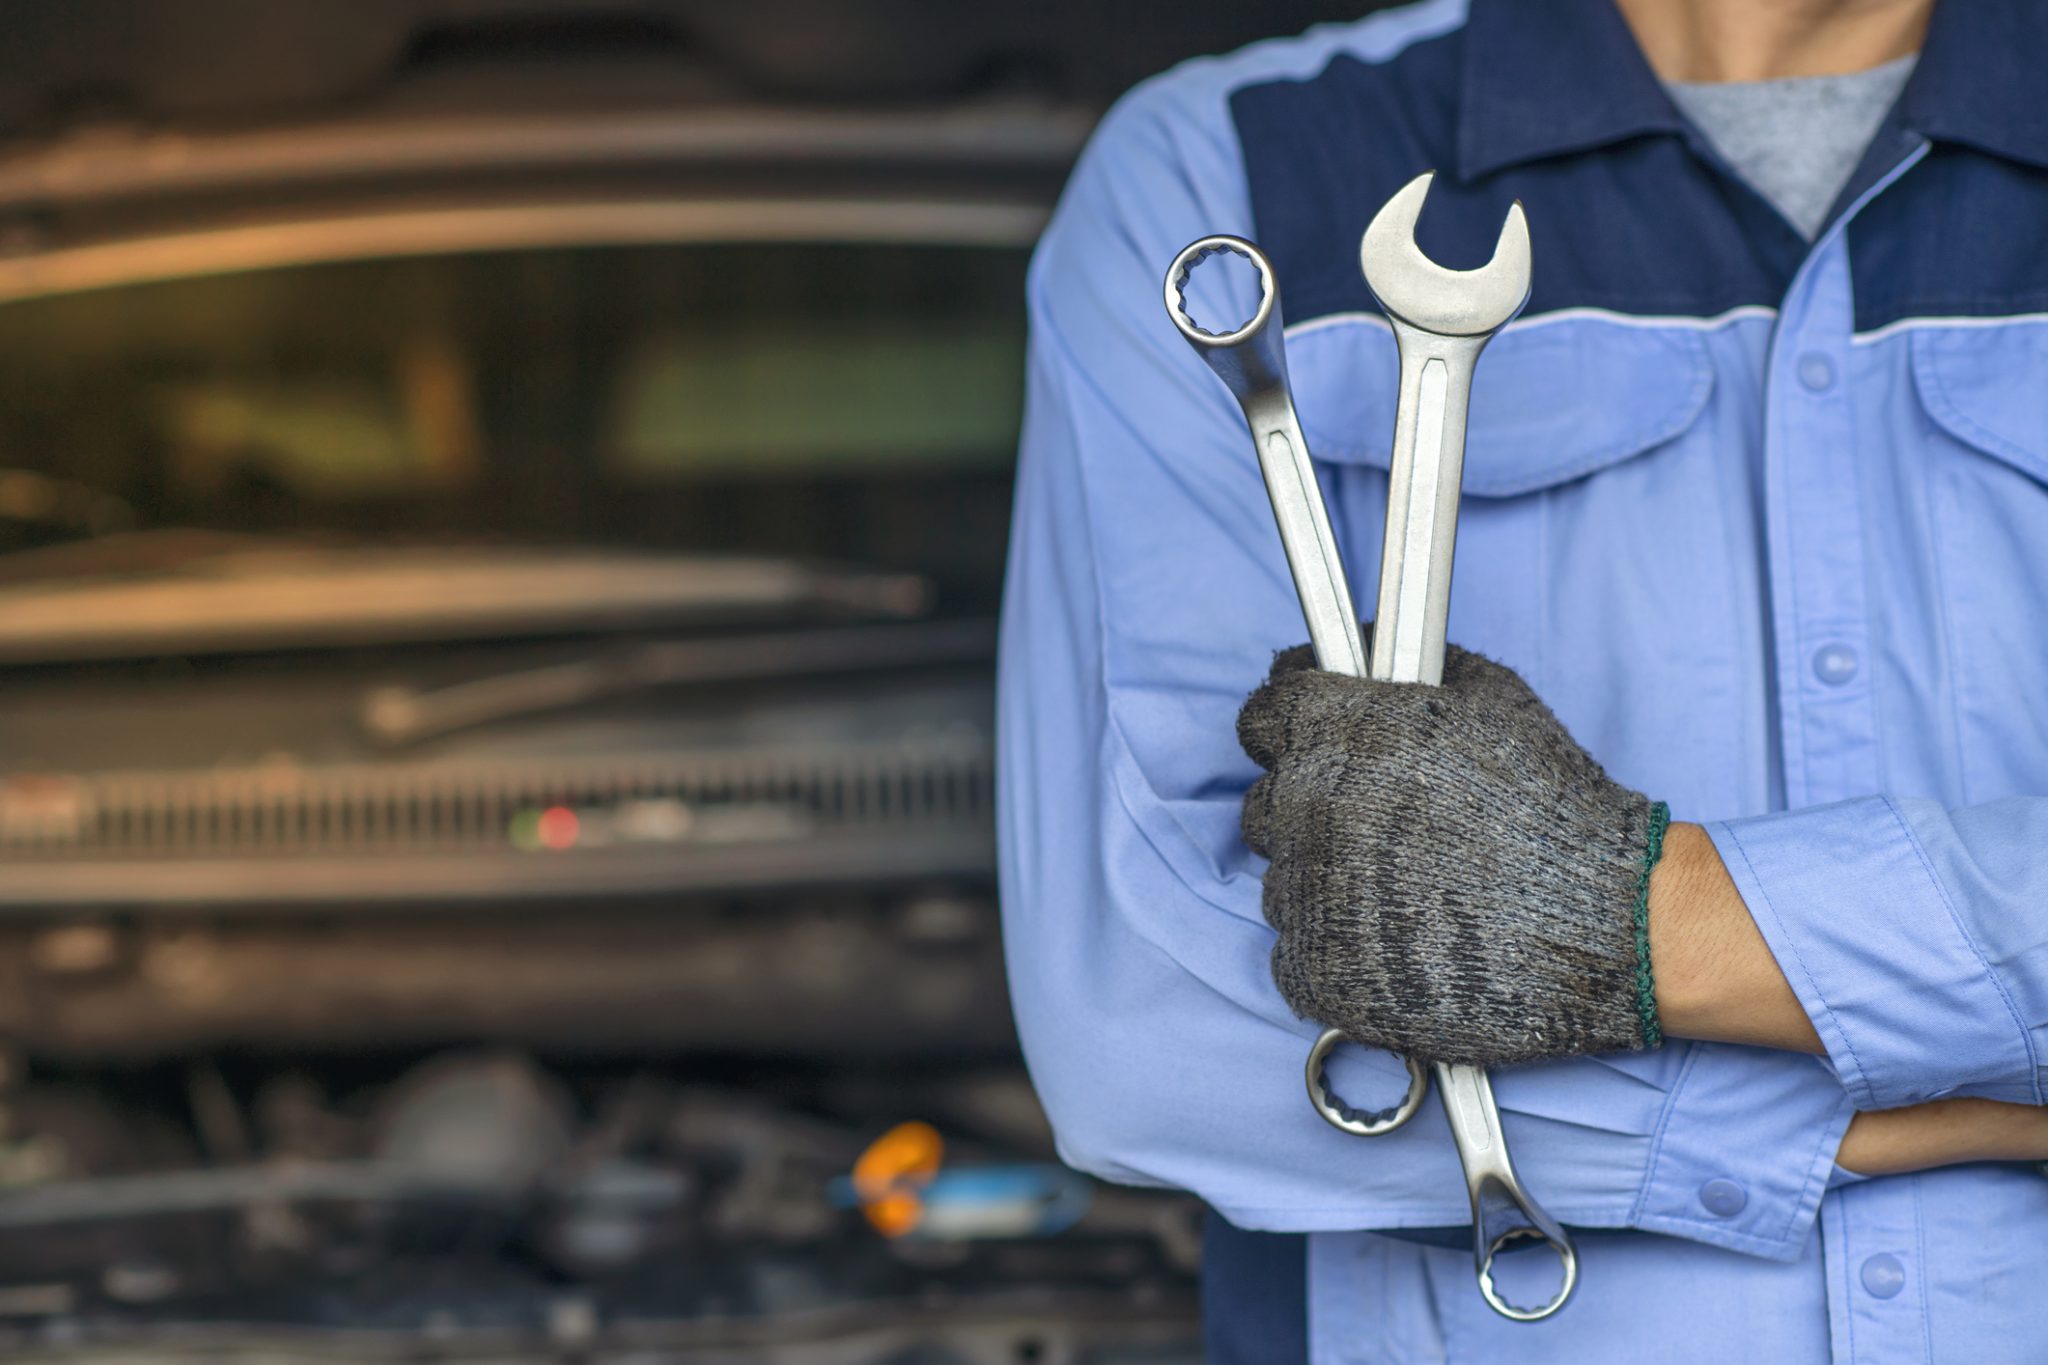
1590	521
1984	391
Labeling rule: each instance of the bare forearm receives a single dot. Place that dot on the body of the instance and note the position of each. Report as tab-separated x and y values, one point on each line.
1943	1133
1716	979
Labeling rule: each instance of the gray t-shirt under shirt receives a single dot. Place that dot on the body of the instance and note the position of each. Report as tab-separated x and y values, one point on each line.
1796	141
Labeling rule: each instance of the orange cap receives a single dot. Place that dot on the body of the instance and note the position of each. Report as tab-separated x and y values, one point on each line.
892	1172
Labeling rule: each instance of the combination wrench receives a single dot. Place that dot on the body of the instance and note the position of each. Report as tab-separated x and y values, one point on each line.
1441	320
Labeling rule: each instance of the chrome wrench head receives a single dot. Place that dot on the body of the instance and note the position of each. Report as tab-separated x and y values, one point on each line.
1250	358
1431	298
1442	319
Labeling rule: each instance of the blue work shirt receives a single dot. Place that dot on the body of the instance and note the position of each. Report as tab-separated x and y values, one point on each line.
1764	521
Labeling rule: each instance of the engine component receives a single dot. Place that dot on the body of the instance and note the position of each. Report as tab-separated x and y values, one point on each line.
492	1118
748	975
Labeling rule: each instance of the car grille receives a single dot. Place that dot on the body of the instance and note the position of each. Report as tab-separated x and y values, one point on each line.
734	797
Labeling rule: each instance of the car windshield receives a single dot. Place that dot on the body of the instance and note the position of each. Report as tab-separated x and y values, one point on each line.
857	402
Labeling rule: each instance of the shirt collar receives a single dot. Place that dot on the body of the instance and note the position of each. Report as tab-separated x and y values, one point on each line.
1550	77
1979	79
1547	77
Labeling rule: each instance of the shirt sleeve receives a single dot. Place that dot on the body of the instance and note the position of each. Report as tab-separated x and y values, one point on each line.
1146	594
1916	938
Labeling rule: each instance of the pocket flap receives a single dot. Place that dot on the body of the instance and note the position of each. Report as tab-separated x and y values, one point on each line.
1551	402
1983	385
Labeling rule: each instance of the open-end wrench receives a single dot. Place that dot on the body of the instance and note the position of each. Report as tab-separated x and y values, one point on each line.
1441	320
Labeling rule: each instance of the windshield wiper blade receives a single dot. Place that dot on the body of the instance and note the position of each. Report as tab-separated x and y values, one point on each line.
294	596
399	716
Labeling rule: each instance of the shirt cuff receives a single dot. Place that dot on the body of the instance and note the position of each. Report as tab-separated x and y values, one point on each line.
1745	1151
1876	952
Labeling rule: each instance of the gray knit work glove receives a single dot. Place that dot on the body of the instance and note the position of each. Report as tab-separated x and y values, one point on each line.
1452	877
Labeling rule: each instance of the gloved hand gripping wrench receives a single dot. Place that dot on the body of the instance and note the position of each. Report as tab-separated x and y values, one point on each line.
1441	321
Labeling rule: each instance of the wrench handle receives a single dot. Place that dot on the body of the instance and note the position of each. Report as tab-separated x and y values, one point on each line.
1424	473
1311	548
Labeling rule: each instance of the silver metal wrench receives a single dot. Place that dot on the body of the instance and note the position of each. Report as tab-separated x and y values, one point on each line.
1441	319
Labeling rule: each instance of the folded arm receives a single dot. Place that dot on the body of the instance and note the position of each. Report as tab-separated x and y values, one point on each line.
1717	980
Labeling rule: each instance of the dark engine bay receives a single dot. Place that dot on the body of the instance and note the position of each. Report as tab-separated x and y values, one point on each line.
629	997
486	1204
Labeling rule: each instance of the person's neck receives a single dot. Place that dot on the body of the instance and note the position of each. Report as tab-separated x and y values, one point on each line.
1761	40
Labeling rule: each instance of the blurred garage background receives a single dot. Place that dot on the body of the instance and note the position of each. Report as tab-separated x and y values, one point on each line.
502	506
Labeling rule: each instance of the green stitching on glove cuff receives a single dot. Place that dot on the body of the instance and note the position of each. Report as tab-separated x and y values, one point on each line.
1646	988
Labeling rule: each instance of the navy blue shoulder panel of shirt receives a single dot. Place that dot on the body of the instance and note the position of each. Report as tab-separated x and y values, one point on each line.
1965	234
1648	224
1640	227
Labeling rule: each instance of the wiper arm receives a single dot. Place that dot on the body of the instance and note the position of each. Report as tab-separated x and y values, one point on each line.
399	716
308	596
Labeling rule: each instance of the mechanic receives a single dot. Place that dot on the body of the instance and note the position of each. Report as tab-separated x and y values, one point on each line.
1756	503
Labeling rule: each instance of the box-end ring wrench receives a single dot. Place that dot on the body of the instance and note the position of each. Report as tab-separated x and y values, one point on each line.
1408	637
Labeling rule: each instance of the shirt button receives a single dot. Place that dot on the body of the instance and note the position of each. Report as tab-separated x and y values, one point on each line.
1723	1197
1883	1276
1835	664
1817	372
